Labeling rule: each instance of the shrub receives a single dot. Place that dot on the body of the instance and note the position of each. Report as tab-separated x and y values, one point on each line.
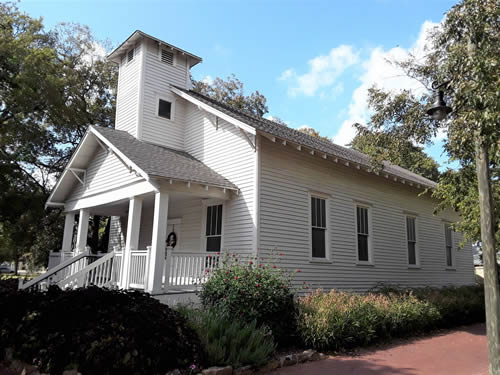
252	291
96	331
230	342
338	320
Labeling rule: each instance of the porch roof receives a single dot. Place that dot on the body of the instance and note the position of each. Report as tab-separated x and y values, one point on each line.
163	162
147	160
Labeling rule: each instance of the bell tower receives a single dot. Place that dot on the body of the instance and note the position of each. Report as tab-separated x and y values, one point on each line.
145	106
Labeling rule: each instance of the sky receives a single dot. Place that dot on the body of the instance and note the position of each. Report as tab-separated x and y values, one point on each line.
313	60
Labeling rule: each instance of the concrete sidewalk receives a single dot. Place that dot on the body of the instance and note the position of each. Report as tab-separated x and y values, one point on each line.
462	351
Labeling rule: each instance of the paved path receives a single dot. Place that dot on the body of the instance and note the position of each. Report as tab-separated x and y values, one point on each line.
462	351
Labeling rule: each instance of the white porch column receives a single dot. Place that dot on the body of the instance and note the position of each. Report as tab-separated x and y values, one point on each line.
83	229
132	240
159	236
69	226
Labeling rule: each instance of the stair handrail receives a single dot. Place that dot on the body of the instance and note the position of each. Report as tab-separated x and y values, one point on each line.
54	270
86	270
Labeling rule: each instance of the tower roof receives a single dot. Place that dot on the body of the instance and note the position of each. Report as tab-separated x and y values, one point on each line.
138	35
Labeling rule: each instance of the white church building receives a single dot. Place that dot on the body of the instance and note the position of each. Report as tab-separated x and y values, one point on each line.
181	167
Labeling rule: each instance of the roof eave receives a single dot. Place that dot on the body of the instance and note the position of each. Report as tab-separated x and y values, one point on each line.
114	56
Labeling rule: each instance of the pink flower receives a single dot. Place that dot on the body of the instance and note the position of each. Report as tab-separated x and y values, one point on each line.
260	265
257	285
236	277
209	256
250	262
274	266
281	254
298	270
218	253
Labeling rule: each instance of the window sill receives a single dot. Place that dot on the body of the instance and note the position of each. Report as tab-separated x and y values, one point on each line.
450	269
320	260
365	264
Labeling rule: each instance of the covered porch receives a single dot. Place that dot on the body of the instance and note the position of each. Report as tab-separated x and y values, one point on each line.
151	194
166	239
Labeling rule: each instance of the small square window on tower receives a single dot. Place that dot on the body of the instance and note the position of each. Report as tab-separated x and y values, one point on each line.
164	109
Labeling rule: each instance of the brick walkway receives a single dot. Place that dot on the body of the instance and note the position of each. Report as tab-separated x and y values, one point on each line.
462	351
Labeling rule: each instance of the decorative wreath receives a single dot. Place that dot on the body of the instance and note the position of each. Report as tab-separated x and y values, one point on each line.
172	239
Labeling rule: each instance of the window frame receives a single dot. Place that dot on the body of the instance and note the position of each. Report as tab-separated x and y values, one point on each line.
368	207
417	243
326	198
203	241
172	107
452	255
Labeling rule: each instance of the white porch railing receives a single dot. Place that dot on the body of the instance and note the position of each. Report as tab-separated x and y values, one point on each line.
139	262
184	270
99	273
60	272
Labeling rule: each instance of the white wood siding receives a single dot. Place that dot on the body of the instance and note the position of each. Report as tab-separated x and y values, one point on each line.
287	176
105	172
157	78
127	100
227	152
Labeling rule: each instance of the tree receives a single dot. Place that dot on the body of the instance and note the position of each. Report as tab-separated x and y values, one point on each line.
464	58
380	146
53	84
230	92
313	133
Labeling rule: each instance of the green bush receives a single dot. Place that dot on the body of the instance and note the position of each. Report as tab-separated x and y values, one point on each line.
230	342
96	331
339	320
252	291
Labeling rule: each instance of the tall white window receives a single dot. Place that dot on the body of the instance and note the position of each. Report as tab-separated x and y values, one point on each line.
448	237
363	234
213	232
411	237
319	227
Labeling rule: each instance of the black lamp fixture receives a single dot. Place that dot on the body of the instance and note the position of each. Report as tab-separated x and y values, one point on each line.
439	109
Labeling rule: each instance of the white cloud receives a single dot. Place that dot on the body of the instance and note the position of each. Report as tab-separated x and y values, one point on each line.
207	80
323	71
378	70
96	52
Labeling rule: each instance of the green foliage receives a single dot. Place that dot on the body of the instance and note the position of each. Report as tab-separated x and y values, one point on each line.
230	92
96	331
313	133
54	84
252	291
463	55
338	320
400	152
230	341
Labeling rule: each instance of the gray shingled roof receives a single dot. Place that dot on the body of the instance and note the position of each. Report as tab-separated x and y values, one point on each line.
158	161
314	143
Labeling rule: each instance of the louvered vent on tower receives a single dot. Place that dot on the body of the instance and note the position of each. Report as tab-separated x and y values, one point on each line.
167	57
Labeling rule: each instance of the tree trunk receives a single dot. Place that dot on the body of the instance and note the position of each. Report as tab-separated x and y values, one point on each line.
491	282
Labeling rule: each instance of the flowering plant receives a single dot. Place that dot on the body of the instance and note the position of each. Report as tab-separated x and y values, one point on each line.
250	289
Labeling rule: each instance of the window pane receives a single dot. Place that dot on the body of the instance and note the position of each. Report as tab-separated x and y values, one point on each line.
213	243
449	259
412	256
164	109
318	243
362	219
410	229
363	247
323	213
218	230
313	212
